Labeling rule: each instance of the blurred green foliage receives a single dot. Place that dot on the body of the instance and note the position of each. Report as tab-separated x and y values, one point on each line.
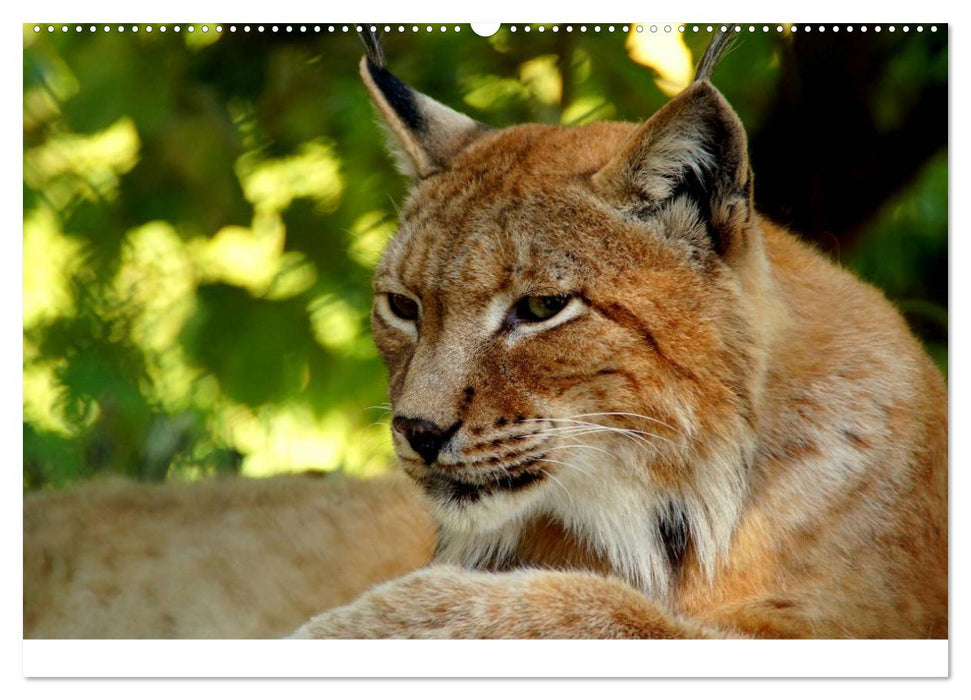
202	213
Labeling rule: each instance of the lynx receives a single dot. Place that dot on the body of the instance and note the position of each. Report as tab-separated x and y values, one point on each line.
634	406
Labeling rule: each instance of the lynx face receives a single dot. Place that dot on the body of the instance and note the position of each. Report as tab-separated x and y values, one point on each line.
563	314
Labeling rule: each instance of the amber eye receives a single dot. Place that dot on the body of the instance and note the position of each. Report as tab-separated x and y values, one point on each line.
403	307
534	309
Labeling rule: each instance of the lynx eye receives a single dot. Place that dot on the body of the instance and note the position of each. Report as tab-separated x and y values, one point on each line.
535	309
403	307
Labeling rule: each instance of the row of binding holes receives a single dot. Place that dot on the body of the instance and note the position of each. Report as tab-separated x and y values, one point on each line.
303	28
317	28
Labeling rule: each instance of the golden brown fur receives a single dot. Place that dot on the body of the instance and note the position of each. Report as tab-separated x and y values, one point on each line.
228	558
780	464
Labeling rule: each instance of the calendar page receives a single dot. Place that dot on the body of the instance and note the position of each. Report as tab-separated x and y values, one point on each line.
630	330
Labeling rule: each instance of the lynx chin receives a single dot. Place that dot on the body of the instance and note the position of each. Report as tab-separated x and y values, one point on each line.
634	406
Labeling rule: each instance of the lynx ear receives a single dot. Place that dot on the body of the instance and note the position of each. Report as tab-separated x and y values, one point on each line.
426	134
693	151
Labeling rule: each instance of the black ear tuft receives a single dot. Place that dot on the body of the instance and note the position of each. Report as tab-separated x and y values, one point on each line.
716	50
399	96
372	46
426	134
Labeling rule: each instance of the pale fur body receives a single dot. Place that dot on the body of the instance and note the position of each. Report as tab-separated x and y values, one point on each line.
227	558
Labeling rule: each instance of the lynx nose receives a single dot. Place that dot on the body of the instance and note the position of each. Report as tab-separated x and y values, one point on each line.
425	437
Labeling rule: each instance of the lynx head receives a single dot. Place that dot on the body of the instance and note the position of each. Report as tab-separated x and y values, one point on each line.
567	319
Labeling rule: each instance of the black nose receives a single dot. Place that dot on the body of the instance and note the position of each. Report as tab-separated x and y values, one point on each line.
425	437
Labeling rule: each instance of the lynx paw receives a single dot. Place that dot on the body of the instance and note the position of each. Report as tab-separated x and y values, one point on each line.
451	603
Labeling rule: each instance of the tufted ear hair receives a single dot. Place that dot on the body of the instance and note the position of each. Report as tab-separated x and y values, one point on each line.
425	134
692	153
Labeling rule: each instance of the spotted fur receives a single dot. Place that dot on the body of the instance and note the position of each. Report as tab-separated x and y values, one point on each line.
737	436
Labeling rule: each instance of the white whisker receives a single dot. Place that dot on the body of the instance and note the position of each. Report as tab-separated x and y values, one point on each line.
631	431
629	415
588	447
558	482
636	439
565	464
640	416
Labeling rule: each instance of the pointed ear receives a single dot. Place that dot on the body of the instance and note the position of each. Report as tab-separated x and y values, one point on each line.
692	154
425	134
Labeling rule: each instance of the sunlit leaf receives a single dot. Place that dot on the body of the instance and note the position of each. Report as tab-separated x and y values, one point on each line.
587	110
314	172
201	36
336	324
73	165
40	107
241	256
542	78
667	54
371	231
490	93
50	258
